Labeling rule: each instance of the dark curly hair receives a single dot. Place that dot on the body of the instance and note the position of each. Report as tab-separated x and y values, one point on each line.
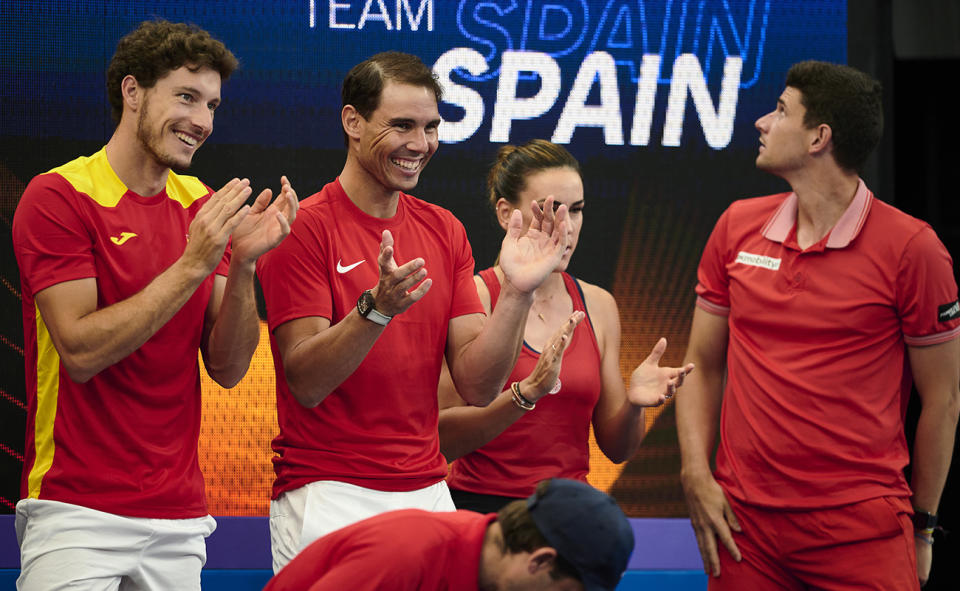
847	100
157	47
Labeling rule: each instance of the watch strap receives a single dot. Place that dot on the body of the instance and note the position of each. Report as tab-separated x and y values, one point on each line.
923	521
376	316
367	308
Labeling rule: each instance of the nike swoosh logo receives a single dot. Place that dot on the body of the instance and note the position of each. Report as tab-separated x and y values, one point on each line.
123	237
342	269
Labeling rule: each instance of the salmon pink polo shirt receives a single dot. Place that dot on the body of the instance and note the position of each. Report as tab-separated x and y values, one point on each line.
817	376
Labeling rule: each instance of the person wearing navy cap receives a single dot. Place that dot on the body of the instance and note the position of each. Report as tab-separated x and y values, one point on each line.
567	536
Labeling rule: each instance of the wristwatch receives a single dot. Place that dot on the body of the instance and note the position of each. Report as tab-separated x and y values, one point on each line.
366	307
923	520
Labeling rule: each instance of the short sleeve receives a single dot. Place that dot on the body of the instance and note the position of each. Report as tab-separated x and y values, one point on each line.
465	298
294	276
927	292
713	283
50	239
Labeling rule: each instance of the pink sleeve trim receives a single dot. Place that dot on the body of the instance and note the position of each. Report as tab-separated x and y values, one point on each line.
708	306
932	339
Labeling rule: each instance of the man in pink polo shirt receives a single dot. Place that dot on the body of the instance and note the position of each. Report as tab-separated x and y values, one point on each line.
819	306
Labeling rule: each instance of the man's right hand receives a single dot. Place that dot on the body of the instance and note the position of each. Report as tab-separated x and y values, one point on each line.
712	518
392	293
214	223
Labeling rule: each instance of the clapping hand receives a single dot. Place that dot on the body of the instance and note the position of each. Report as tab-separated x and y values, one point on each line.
266	224
545	373
528	257
398	287
216	220
652	385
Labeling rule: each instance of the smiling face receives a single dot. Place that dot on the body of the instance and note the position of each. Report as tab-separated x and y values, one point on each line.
566	186
784	139
176	115
400	136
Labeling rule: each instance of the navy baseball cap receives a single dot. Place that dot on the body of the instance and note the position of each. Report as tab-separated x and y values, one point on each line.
587	528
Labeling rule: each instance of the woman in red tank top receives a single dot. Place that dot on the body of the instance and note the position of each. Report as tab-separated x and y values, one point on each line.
538	427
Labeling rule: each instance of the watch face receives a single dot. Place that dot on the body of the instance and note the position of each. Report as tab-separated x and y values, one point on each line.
924	520
365	303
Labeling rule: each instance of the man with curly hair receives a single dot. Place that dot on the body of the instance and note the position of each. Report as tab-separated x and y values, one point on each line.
126	273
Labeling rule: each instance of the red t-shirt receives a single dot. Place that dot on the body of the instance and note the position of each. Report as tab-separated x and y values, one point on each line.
125	442
813	409
400	550
551	441
378	429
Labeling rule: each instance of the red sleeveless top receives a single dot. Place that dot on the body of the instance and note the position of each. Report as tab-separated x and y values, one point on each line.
551	440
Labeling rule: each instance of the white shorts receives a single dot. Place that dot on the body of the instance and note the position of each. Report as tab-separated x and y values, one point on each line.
64	546
300	516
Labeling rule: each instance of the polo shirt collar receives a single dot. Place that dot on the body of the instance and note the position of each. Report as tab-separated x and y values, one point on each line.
783	221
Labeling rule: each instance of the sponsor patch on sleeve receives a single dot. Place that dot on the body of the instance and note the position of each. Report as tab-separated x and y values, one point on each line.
948	311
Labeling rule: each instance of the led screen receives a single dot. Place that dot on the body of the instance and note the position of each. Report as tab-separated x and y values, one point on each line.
656	99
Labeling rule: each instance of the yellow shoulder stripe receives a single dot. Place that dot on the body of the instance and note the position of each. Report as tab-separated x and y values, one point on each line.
94	177
185	189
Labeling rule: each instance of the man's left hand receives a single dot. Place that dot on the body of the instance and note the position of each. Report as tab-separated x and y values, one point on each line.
528	258
266	225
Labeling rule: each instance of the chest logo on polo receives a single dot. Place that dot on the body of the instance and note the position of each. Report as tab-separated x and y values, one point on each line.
758	260
123	237
948	311
343	269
